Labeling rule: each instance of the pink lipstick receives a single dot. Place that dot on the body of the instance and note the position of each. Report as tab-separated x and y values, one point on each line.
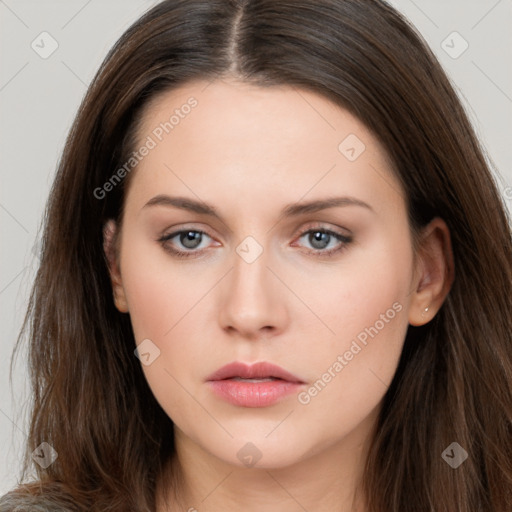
257	385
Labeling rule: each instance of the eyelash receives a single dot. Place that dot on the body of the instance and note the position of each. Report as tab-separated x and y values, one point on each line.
343	239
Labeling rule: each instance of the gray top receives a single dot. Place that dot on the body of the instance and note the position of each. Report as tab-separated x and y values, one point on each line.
16	502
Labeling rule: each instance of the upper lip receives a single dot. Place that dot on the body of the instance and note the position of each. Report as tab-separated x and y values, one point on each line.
253	371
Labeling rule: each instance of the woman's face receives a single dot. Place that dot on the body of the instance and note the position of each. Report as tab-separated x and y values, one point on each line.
321	291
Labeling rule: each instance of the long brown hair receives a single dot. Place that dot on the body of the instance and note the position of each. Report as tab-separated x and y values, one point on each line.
91	402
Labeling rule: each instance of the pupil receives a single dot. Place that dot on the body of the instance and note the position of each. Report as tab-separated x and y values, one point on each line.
188	239
317	237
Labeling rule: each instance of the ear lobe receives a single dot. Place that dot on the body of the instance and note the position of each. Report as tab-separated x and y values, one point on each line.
109	248
435	272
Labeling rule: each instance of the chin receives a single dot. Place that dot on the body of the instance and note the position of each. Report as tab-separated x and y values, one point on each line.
255	452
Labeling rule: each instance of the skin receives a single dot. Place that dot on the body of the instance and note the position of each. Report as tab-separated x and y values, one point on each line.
249	151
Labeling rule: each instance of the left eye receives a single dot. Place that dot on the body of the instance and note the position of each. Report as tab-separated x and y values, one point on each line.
321	238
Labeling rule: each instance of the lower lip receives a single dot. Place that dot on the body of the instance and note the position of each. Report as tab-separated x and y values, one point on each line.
253	394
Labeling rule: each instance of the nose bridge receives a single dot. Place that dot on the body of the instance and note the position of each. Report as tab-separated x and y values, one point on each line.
249	280
251	301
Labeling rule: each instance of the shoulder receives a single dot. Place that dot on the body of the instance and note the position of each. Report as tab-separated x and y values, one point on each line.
23	501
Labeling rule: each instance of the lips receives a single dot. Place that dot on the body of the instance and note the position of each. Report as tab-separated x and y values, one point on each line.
258	385
263	370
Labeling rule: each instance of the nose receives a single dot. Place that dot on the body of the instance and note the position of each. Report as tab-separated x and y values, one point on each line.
253	300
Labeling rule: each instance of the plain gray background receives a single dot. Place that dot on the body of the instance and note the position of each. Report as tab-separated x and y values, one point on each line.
39	97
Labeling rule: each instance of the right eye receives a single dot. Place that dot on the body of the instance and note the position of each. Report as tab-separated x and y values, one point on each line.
189	239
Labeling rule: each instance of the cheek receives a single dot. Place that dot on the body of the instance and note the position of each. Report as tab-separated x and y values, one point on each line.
167	301
158	290
363	303
368	287
164	306
350	380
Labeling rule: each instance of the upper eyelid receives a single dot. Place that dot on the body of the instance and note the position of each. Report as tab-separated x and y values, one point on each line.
175	232
320	225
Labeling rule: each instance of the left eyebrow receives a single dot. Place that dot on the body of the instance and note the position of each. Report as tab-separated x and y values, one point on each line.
295	209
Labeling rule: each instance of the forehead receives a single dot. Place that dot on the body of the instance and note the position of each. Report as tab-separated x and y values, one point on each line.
239	109
257	142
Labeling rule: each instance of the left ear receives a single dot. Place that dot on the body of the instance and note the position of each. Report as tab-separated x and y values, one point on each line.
434	272
109	235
